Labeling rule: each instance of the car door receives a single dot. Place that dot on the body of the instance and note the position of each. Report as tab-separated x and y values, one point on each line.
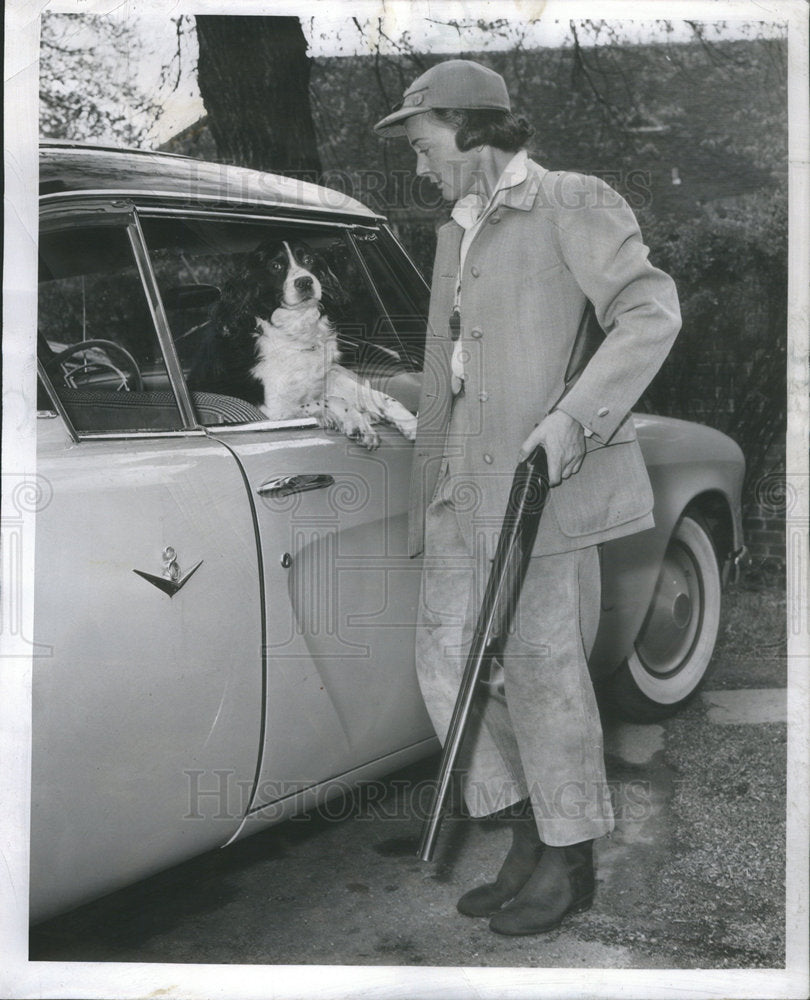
147	715
340	590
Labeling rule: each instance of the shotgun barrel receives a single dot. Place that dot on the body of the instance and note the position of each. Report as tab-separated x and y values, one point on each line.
527	498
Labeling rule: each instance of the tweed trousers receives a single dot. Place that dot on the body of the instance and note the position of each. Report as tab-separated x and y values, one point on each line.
535	730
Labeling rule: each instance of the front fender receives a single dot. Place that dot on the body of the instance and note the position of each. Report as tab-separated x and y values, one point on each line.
690	466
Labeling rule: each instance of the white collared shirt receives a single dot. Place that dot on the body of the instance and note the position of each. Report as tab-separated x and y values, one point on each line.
470	212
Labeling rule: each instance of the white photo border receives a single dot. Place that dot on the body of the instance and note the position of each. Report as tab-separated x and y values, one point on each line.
21	978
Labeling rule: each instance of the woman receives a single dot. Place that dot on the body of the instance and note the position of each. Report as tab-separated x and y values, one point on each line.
525	251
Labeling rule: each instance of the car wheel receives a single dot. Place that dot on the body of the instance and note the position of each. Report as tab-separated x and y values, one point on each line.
673	650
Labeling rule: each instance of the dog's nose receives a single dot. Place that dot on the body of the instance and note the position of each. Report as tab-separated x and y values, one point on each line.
303	284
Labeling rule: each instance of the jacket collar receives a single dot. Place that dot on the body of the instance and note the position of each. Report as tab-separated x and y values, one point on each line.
523	196
469	209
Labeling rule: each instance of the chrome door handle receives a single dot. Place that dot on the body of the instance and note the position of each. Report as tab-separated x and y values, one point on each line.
283	486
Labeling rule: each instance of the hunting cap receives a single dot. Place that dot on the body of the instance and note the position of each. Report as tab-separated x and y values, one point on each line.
456	83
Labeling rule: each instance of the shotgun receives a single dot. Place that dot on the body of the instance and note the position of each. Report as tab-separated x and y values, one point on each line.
527	497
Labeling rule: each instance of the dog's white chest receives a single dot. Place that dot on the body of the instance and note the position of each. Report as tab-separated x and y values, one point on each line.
296	350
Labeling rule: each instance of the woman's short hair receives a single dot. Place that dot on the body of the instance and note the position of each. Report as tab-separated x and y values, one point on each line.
483	127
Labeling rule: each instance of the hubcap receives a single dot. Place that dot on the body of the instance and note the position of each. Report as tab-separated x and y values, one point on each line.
672	622
681	610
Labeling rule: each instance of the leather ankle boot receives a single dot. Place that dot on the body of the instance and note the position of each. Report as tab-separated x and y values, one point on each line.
562	883
519	864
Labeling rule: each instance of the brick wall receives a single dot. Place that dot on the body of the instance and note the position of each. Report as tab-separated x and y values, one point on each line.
765	534
764	515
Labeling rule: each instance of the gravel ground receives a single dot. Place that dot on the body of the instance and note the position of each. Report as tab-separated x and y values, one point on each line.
750	650
693	876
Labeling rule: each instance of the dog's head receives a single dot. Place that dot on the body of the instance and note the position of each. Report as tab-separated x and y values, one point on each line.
288	271
289	274
278	273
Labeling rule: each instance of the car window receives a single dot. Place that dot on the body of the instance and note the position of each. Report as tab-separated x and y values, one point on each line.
402	292
96	336
204	271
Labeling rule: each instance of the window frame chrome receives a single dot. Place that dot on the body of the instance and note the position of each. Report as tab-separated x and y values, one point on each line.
58	405
161	323
229	202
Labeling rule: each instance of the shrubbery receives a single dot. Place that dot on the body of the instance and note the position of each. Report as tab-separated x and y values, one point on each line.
728	366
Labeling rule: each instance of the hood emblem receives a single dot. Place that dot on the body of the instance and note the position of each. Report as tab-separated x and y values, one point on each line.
171	581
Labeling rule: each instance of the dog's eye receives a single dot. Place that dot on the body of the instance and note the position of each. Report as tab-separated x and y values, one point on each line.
307	260
277	265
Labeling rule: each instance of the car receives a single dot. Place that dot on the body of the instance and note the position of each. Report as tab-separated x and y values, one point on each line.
224	604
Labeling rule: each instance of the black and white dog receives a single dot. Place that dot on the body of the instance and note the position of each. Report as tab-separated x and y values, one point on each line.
274	346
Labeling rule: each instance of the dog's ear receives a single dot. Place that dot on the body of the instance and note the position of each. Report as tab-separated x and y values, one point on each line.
253	290
236	310
263	251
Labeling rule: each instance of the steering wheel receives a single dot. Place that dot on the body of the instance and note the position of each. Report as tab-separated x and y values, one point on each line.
91	367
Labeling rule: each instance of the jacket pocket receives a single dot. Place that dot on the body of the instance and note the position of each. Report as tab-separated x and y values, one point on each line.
611	488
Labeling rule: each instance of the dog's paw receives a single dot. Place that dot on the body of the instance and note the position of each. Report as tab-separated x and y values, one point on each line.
354	423
369	441
358	427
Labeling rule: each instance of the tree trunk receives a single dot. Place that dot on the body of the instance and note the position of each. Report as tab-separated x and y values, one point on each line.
253	74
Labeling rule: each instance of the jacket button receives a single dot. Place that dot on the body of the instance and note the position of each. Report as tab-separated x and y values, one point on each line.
488	458
476	334
493	219
483	396
603	412
474	272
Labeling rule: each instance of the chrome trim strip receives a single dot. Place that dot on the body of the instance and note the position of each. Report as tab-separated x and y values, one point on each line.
149	282
212	431
96	148
140	435
57	402
56	213
263	425
212	213
388	232
142	193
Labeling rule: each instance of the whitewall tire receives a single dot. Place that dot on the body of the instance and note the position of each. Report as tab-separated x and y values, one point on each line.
673	650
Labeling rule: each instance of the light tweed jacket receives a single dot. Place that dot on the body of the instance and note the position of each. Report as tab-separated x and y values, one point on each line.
557	240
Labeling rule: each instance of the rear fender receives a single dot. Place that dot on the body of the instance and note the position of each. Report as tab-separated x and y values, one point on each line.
709	487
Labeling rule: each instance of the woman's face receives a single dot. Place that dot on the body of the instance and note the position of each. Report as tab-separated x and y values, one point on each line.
457	173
